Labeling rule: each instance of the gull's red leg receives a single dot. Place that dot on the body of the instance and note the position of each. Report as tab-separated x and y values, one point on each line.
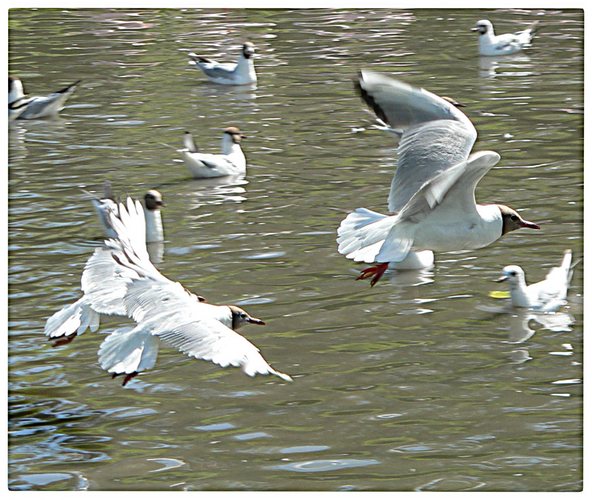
377	271
64	340
128	377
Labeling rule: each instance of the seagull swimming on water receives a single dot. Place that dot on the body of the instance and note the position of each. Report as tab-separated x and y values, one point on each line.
240	73
432	196
545	296
20	106
120	280
231	161
153	202
491	44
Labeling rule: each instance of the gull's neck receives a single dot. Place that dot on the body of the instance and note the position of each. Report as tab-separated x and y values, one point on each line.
233	151
246	67
154	230
487	39
519	293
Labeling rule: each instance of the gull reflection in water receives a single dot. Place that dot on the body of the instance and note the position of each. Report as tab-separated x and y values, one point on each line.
523	324
216	191
509	65
411	277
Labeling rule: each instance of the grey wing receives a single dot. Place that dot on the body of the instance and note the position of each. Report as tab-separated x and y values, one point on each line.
111	270
208	339
40	106
212	161
402	106
425	152
225	70
436	135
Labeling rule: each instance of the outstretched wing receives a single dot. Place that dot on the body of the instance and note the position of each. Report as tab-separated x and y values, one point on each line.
436	135
120	279
203	337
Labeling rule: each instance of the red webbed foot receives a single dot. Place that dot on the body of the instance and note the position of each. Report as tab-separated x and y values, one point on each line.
64	340
126	379
377	271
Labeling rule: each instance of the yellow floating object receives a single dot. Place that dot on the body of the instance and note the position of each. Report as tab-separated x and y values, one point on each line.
498	294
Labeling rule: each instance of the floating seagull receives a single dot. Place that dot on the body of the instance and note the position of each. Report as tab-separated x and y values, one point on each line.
120	280
491	44
23	107
240	73
231	161
432	196
152	203
545	296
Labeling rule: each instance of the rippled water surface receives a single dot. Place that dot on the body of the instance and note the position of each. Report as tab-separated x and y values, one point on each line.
423	382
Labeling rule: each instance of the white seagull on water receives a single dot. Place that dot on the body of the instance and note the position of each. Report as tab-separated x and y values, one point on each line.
20	106
491	44
545	296
231	161
153	202
432	196
240	73
120	280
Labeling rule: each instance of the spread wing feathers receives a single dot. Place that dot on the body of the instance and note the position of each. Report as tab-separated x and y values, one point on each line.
453	186
436	135
210	340
128	350
130	225
145	297
73	318
426	151
120	280
402	106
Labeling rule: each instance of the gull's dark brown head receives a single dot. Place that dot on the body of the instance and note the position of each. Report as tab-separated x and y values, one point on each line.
240	317
153	200
235	133
511	220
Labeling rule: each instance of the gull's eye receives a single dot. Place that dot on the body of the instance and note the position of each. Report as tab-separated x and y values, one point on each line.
514	217
513	273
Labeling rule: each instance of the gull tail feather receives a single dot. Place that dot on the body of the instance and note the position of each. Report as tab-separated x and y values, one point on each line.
362	233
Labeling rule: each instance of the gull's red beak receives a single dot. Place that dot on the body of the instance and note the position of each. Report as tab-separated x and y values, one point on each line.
529	225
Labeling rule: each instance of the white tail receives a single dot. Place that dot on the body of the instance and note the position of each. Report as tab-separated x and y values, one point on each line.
362	233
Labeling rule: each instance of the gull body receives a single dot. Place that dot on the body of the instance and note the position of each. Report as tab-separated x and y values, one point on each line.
120	280
231	160
432	196
153	202
491	44
545	296
20	106
240	73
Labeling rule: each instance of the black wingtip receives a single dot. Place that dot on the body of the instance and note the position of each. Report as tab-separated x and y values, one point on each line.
368	99
68	88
